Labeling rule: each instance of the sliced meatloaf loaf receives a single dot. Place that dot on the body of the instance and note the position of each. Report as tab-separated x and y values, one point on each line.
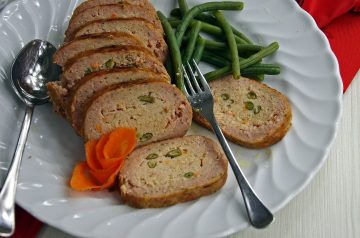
93	3
157	110
138	27
249	113
90	84
172	171
92	42
108	58
112	11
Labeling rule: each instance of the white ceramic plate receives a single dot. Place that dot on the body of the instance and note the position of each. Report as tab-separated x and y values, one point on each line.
310	78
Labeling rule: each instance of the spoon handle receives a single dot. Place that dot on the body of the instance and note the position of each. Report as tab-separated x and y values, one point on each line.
7	194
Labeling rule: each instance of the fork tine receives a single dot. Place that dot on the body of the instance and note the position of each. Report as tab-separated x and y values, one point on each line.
188	83
193	77
201	76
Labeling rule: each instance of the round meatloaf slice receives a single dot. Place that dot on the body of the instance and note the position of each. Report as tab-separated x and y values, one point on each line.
92	83
112	11
139	27
157	110
249	113
93	3
92	42
172	171
108	58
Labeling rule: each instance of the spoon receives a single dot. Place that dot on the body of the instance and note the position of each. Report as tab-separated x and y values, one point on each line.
30	72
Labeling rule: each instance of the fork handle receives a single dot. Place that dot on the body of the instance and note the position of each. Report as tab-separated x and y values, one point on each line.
258	213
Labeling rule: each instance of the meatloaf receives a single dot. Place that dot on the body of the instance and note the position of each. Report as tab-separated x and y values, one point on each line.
95	82
108	58
93	3
92	42
172	171
157	110
249	113
140	28
112	11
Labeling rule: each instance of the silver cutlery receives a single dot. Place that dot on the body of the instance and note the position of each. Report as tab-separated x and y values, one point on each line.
30	72
198	93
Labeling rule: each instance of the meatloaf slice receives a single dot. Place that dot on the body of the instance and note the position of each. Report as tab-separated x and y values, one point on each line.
56	94
93	3
249	113
138	27
112	11
157	110
108	58
92	42
95	82
172	171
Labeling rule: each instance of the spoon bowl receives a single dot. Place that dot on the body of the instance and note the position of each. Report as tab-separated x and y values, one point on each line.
31	71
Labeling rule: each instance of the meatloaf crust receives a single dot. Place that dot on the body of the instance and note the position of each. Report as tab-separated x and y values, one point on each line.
120	56
92	42
249	113
139	27
93	3
150	177
113	11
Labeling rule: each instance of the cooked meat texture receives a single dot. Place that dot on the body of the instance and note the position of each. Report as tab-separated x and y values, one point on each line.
138	27
92	83
157	110
93	3
56	94
92	42
107	58
249	113
112	11
151	178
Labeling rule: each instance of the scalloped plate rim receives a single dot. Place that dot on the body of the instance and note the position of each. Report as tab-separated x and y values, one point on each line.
285	201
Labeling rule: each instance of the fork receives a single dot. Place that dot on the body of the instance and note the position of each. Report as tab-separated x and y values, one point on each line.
202	101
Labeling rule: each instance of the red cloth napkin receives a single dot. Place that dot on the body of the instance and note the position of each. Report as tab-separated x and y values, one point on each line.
339	20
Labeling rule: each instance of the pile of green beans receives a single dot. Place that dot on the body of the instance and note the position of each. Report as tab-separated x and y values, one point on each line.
231	53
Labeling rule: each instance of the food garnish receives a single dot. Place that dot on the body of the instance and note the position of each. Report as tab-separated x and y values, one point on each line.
104	158
231	52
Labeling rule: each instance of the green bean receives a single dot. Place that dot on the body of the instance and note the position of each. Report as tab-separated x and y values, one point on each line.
257	77
255	58
218	73
194	33
208	28
270	69
183	7
200	46
176	12
193	12
213	59
211	20
215	45
169	67
230	38
216	60
174	51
